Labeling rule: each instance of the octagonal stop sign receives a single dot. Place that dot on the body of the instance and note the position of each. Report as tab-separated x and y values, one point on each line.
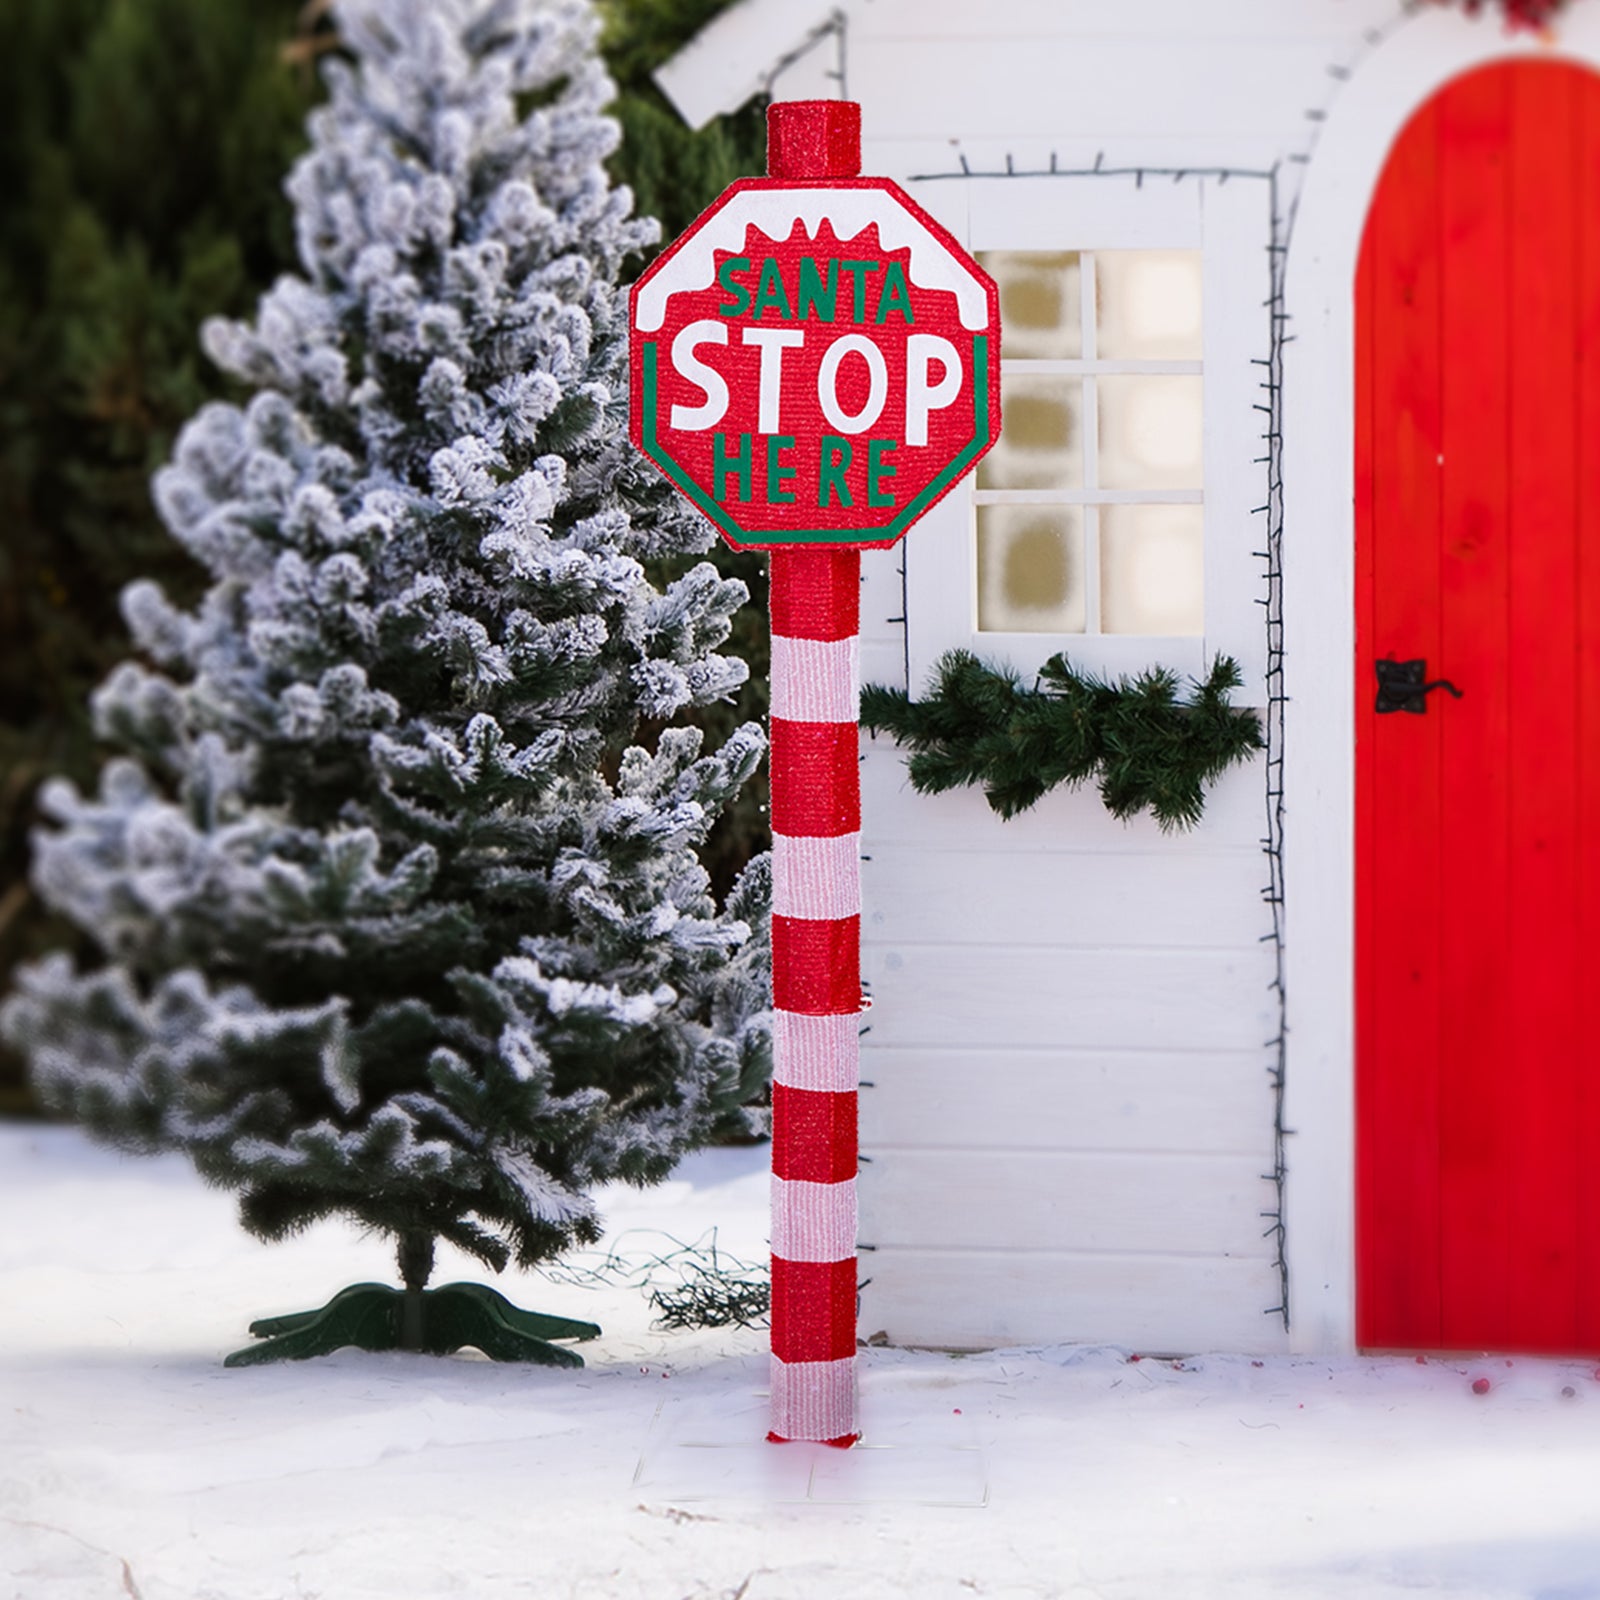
816	362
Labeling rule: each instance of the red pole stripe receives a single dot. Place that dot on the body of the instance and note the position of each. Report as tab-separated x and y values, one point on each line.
813	1309
814	139
816	966
816	778
813	1135
816	593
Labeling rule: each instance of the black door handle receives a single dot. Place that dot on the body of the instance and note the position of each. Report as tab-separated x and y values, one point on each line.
1404	686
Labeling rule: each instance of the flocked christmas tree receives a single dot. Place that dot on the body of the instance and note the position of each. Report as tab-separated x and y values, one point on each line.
398	923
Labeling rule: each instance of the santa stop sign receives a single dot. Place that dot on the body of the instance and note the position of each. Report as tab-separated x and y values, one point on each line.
816	362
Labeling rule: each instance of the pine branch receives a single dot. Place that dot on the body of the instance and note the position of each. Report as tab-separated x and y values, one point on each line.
1147	748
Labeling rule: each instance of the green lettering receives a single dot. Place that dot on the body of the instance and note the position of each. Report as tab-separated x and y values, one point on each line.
813	296
740	303
835	463
725	466
858	271
776	495
770	292
896	294
877	470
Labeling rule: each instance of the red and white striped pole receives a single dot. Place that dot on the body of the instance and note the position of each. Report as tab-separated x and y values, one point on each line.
816	918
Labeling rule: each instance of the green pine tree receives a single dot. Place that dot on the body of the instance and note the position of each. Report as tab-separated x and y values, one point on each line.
675	173
397	921
142	148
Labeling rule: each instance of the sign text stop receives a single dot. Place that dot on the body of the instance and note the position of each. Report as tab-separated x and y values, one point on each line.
815	363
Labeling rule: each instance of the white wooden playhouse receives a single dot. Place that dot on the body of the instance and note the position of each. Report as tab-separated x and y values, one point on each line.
1116	1075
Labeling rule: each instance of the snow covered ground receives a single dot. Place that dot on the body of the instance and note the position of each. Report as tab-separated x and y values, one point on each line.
133	1464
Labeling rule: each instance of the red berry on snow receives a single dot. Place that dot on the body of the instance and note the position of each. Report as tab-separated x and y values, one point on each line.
1480	1386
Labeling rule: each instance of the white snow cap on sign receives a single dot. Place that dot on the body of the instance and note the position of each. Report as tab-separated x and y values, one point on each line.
775	212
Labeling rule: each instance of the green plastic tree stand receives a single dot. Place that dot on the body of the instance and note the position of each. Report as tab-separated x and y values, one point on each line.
373	1316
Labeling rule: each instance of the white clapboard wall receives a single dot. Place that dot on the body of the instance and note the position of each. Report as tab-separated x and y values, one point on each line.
1069	1117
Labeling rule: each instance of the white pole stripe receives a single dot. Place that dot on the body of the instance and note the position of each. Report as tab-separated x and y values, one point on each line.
819	879
816	680
814	1399
816	1052
813	1221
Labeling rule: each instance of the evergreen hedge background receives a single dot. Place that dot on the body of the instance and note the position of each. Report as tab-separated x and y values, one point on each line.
143	147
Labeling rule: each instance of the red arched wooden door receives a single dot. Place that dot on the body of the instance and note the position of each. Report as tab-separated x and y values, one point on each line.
1478	820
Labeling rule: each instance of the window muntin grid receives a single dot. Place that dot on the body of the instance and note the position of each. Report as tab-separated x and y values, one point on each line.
1089	508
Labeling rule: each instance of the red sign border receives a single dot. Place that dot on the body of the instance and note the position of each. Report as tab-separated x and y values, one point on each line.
986	397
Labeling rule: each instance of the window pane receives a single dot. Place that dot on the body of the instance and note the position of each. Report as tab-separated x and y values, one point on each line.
1147	305
1041	435
1030	569
1152	569
1150	433
1041	305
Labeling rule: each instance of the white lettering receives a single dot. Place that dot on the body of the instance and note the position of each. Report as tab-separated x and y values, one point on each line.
922	350
695	419
771	342
828	383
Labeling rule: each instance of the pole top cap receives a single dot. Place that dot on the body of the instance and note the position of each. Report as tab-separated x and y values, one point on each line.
813	139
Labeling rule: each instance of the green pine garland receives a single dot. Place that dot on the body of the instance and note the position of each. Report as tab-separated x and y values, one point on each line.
1148	750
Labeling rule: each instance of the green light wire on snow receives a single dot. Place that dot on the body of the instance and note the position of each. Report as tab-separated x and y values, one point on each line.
1147	747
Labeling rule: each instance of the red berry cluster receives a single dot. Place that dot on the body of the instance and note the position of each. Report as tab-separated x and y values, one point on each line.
1518	13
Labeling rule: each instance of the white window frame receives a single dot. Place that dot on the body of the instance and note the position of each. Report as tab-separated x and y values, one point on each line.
1229	221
